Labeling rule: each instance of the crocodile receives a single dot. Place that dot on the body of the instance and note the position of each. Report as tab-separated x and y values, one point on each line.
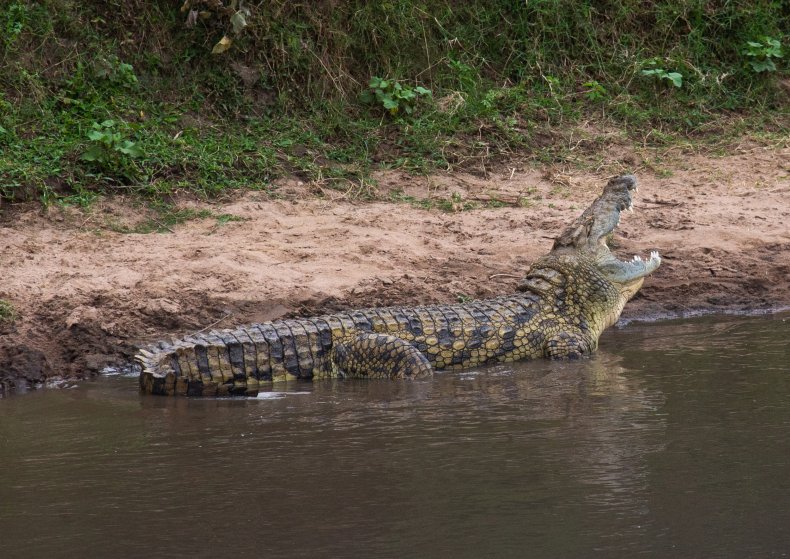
565	301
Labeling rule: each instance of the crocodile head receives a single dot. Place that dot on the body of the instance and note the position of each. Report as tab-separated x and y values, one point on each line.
581	256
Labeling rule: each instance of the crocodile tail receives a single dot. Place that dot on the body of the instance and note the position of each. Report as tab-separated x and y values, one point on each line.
200	365
159	368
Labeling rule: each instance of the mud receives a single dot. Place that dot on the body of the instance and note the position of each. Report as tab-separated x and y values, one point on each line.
87	295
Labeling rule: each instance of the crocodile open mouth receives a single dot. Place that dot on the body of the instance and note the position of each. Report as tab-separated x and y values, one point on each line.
590	230
603	221
587	238
603	240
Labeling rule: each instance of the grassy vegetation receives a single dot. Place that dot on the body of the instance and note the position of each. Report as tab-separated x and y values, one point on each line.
98	97
7	311
166	216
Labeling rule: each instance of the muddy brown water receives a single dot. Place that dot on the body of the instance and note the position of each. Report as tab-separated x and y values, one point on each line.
672	441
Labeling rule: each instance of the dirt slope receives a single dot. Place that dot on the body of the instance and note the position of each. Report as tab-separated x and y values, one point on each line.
86	295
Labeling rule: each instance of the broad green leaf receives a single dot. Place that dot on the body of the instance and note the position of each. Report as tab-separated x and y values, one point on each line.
108	123
95	135
677	79
389	103
93	153
131	149
766	65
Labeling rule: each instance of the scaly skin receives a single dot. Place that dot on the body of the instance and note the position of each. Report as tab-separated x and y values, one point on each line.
567	299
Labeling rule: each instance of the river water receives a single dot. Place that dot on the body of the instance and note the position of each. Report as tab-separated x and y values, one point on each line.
672	441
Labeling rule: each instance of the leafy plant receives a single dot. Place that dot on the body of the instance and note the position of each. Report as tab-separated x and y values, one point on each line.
393	96
554	83
463	298
761	54
116	72
15	17
82	197
675	78
109	149
595	91
467	77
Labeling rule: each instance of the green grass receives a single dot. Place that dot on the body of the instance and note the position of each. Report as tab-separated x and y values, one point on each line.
7	311
163	217
288	97
455	203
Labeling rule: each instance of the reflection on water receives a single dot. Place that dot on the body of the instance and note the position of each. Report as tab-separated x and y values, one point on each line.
671	442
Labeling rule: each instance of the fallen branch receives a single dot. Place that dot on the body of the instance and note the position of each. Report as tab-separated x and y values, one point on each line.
227	315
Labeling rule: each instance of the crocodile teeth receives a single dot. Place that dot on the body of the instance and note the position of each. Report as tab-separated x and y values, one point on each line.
637	258
654	255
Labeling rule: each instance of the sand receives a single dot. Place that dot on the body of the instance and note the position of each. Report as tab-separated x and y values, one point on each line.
86	296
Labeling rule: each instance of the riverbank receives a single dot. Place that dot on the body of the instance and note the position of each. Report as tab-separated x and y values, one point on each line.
85	291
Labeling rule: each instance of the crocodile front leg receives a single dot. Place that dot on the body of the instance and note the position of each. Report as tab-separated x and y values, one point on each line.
378	356
567	345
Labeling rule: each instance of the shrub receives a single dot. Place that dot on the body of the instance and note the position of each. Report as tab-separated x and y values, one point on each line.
761	54
393	96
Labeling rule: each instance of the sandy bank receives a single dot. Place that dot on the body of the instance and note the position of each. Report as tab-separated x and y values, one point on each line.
86	295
